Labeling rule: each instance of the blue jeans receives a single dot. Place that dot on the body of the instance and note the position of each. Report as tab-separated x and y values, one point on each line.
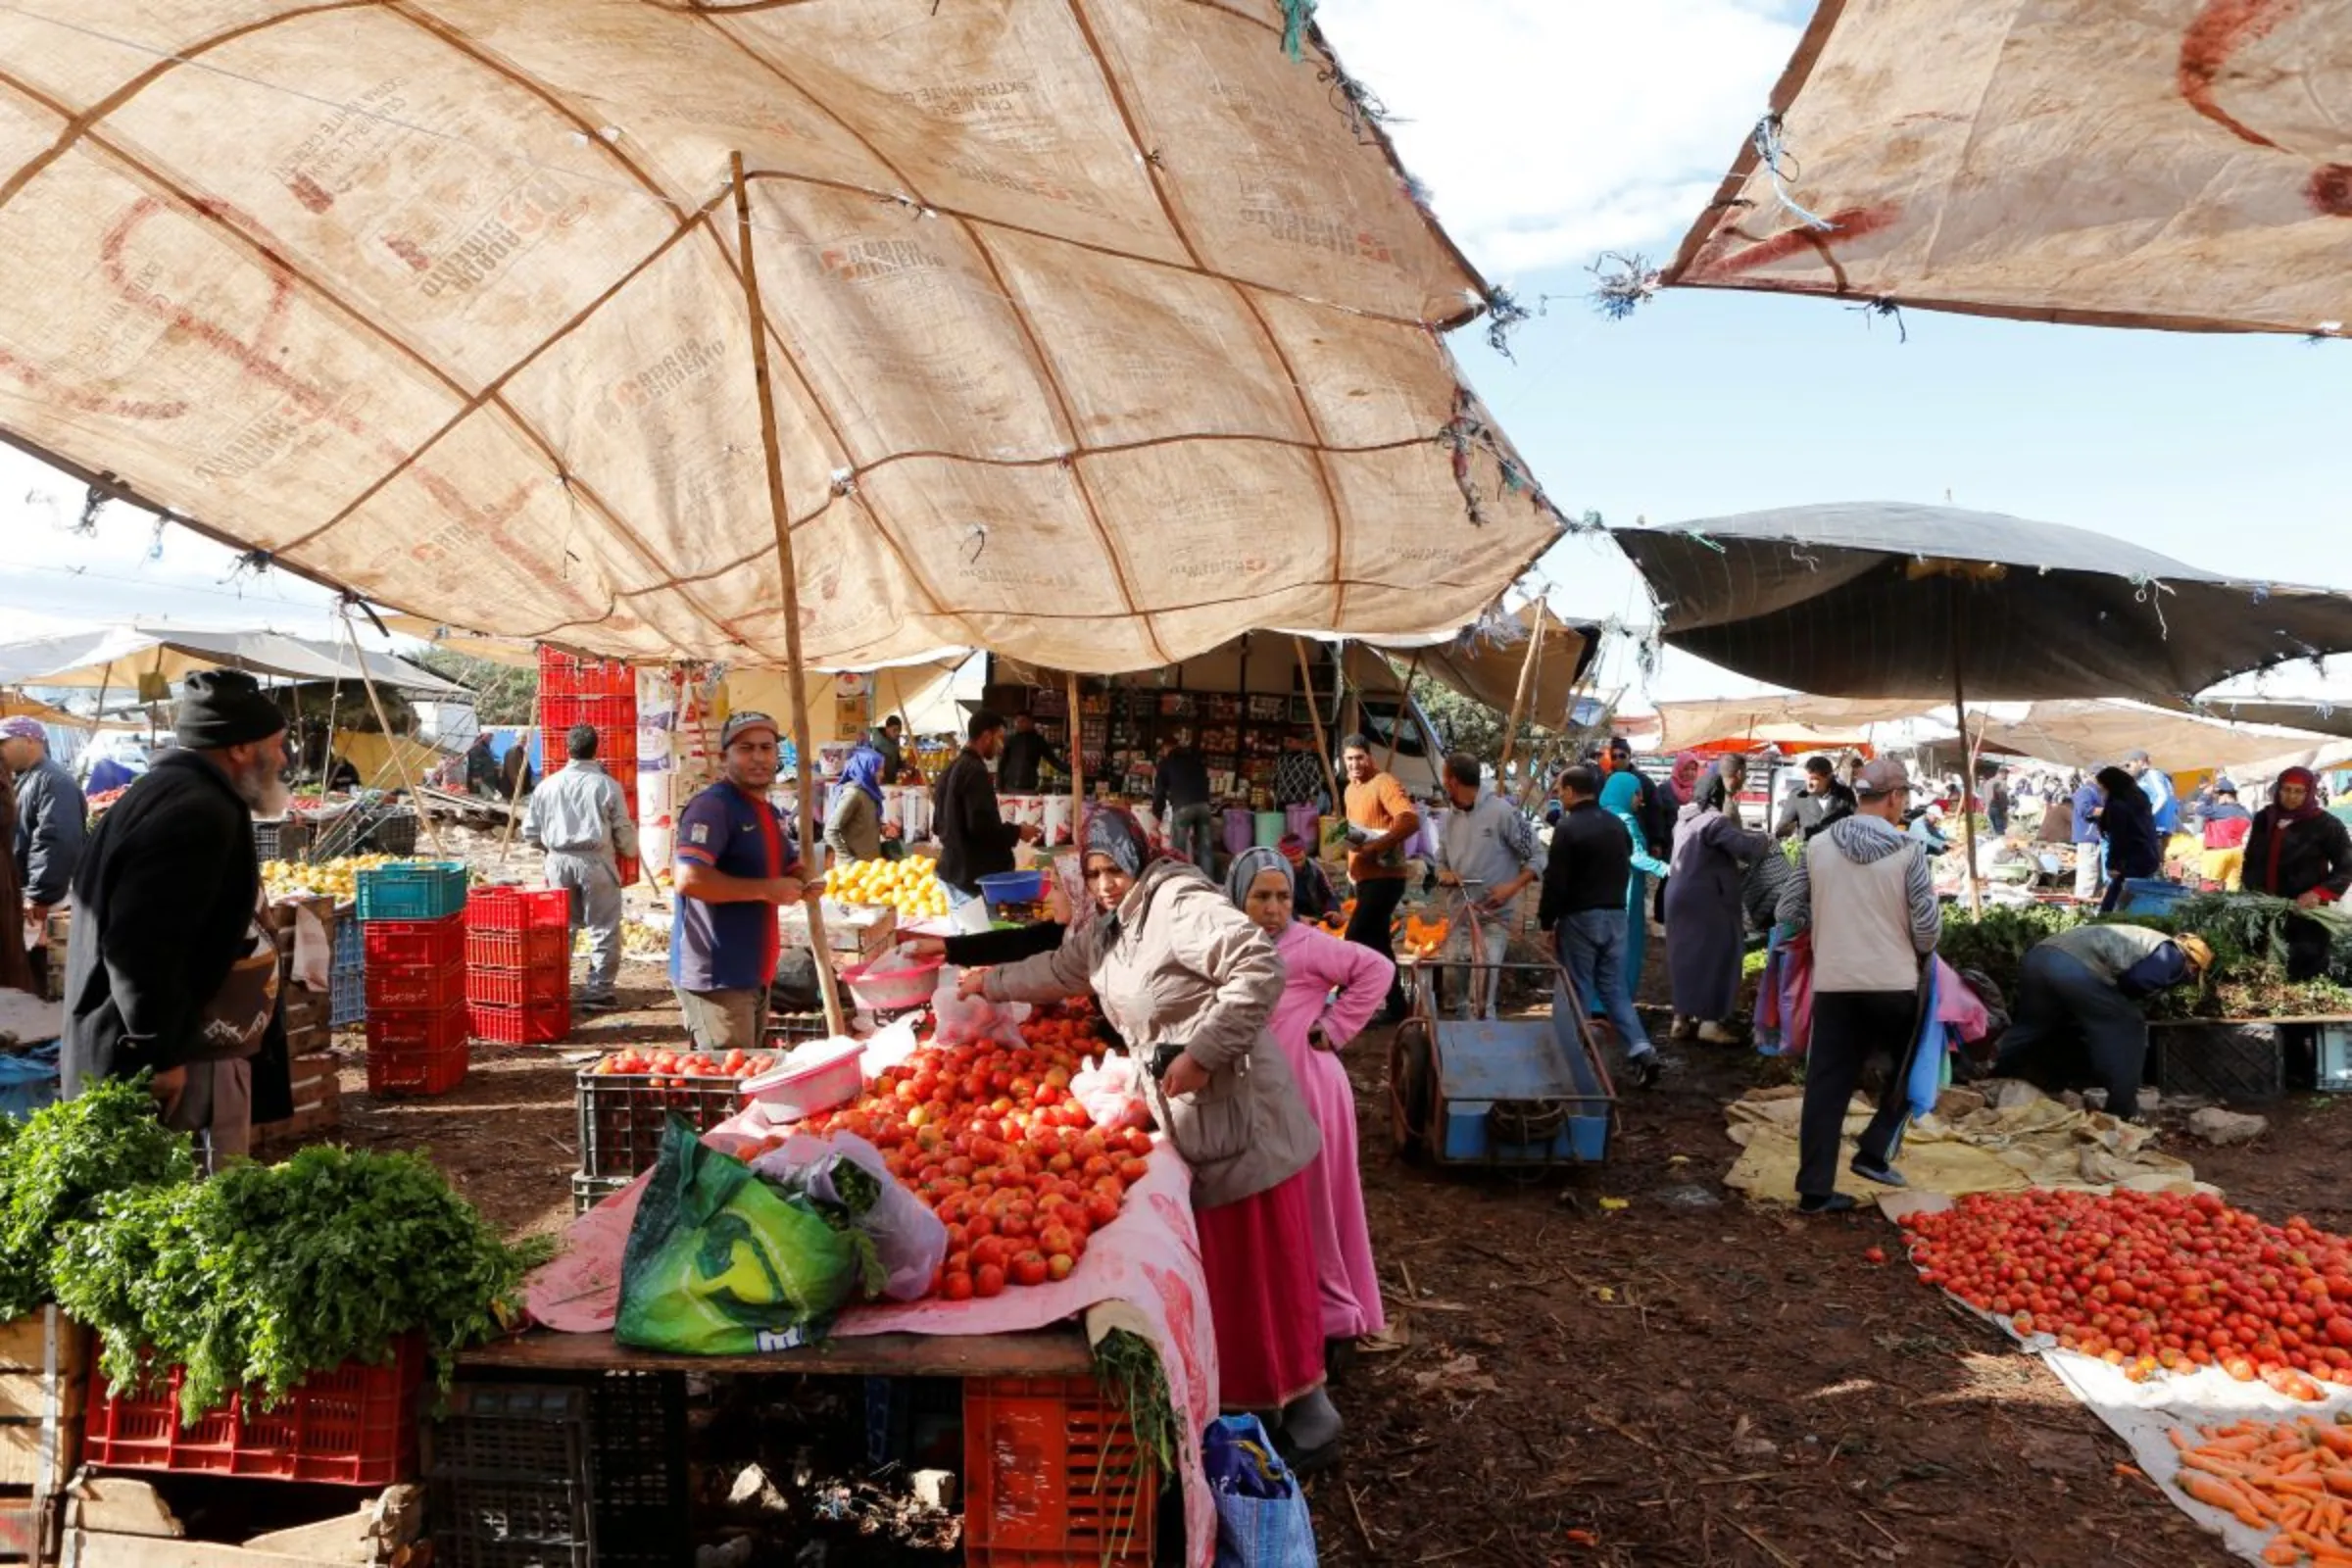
1591	944
1193	834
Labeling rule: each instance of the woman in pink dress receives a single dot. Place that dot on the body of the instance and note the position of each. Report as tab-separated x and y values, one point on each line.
1330	991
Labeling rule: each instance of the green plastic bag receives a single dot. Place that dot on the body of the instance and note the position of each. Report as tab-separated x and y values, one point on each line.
721	1263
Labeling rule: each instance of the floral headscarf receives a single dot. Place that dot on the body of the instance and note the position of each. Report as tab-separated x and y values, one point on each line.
1686	776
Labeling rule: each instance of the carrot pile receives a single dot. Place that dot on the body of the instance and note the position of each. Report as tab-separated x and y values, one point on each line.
2291	1478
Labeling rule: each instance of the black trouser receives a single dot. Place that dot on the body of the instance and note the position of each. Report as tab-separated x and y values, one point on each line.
1850	1027
1376	903
2064	1012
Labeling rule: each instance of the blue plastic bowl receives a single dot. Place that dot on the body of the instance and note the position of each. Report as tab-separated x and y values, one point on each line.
1013	887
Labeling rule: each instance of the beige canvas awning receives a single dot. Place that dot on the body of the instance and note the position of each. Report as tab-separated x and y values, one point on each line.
1486	668
1102	329
2173	165
2088	734
1791	722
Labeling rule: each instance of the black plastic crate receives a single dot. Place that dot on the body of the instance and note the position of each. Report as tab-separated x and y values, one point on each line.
638	1452
621	1115
283	840
2239	1062
509	1477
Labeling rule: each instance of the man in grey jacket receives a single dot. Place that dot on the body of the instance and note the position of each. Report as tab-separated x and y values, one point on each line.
581	819
1864	889
50	818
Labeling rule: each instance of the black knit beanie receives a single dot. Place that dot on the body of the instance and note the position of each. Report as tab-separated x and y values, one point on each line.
224	707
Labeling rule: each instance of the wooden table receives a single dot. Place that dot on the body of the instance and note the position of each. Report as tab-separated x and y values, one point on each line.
1049	1352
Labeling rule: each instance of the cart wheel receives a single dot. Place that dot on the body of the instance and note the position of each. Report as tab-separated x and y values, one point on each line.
1411	1088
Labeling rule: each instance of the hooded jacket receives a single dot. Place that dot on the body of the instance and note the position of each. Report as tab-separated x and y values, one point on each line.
1176	963
1864	889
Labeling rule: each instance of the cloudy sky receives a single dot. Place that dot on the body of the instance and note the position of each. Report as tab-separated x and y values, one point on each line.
1551	131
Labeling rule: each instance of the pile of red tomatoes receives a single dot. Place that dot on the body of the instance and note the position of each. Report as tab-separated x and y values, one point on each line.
988	1136
2150	1282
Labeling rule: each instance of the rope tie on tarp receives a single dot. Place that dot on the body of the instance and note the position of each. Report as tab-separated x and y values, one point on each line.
1621	283
1296	17
1771	151
2150	591
1503	313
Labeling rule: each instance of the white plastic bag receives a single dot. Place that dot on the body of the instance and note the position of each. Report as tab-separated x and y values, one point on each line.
972	1020
1112	1091
910	1238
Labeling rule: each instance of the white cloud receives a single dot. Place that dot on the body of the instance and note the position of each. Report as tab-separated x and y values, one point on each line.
1551	130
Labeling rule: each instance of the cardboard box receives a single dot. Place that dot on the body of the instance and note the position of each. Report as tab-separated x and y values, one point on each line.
853	930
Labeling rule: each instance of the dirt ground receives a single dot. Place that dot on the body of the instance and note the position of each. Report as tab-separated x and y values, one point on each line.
1688	1379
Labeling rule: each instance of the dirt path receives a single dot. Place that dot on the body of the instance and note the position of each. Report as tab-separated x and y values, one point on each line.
1687	1380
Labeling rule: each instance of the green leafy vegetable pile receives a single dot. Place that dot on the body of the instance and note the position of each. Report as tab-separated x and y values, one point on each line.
267	1273
65	1158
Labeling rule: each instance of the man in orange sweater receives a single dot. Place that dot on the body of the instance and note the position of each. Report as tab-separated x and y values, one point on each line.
1381	822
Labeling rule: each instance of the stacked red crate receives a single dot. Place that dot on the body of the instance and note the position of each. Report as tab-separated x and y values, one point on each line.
601	693
518	964
415	1004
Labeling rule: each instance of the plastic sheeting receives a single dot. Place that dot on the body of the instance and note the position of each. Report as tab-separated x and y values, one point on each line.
1100	329
2168	164
1888	600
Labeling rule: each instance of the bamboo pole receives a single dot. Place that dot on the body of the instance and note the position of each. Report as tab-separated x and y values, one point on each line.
432	831
756	319
1527	681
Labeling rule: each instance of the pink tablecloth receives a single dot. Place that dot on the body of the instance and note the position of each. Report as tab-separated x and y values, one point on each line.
1146	1265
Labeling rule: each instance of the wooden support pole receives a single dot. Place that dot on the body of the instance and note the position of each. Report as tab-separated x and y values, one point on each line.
1077	754
1968	785
828	983
506	839
1527	682
1404	709
1307	677
432	833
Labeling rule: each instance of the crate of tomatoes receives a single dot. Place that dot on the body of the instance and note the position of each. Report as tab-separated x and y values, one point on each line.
989	1134
624	1100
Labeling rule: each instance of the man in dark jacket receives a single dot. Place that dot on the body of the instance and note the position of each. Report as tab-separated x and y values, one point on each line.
1024	751
974	839
50	814
1823	802
1180	800
1582	902
167	968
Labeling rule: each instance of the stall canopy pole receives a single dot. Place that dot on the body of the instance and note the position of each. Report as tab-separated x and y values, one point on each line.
1968	786
1404	709
1306	676
505	840
400	761
1077	756
827	983
1527	681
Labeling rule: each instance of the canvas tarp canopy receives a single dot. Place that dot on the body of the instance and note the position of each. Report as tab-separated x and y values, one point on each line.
116	656
2170	165
1100	330
1881	598
1484	667
2310	716
2088	734
1792	722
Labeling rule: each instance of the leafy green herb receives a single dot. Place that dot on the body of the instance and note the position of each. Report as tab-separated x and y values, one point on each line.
267	1273
65	1158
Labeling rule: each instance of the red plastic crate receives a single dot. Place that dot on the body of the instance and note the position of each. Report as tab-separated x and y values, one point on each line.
518	988
631	866
354	1425
415	987
564	674
429	943
518	950
607	713
519	910
617	749
538	1023
1052	1475
417	1052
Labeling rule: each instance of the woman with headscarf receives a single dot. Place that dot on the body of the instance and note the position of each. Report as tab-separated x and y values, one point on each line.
1703	914
2127	821
1682	786
854	816
16	963
1621	798
1331	990
1191	985
2297	848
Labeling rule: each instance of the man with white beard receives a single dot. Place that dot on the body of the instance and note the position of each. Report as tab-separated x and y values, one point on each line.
168	968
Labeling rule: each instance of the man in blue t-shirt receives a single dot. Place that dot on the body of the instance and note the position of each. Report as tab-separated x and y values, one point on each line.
737	861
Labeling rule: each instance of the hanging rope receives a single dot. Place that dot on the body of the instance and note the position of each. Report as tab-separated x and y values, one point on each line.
1771	150
1621	283
1503	313
1296	17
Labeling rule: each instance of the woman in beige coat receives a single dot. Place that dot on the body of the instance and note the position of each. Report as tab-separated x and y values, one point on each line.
1190	984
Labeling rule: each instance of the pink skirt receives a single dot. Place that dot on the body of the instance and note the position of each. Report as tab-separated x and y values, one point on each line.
1261	1293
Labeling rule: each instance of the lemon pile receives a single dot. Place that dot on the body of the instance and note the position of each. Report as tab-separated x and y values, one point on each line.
339	879
910	886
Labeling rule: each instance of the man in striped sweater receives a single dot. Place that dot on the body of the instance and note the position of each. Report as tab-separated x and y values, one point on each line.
1864	889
